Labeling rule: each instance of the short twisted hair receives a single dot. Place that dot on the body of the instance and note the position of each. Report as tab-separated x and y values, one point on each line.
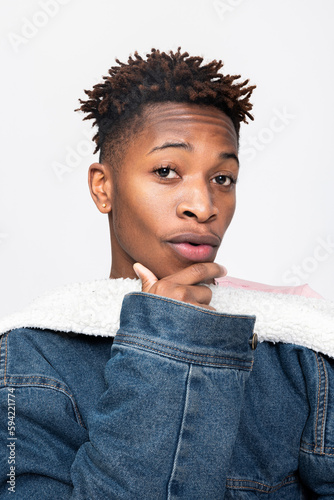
116	104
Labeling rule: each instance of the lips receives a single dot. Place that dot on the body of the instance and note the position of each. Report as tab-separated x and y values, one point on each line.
195	247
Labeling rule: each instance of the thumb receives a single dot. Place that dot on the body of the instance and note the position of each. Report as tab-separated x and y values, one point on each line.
147	277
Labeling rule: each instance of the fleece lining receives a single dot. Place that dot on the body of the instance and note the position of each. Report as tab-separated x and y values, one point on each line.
93	308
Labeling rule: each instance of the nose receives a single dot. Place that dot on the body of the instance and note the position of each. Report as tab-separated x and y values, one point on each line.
197	203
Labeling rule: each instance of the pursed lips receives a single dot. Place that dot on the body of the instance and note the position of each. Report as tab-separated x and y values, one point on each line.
195	247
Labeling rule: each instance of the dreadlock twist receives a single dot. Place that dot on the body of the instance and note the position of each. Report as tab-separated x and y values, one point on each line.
160	77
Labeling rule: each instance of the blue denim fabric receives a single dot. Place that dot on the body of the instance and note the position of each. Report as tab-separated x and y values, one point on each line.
178	406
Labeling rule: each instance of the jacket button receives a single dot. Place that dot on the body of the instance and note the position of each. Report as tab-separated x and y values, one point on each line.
253	341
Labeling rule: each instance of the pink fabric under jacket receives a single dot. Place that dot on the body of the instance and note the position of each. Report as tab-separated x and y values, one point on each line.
303	290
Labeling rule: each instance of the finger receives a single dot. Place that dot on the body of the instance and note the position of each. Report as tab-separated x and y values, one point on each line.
148	279
206	307
192	294
201	295
197	273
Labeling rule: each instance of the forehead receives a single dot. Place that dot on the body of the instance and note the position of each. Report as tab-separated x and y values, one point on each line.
187	121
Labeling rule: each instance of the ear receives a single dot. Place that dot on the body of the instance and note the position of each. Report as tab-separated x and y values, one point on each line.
100	186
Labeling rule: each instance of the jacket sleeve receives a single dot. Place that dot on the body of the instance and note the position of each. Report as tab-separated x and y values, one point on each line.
163	428
316	461
166	425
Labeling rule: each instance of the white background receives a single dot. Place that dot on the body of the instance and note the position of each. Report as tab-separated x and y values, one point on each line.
50	231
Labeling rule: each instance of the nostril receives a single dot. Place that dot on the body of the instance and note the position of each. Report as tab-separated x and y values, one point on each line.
189	214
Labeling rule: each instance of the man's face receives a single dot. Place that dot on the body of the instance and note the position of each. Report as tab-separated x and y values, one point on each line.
173	197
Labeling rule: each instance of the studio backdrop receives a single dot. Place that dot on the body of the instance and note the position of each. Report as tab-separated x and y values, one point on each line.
51	232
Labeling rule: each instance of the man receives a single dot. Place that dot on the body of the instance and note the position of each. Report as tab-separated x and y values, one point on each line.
182	403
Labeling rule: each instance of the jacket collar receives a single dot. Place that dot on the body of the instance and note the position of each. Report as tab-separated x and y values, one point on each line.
94	308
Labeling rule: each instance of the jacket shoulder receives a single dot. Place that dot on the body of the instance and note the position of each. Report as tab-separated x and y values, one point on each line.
36	354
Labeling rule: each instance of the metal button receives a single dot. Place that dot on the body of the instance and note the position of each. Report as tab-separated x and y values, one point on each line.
253	341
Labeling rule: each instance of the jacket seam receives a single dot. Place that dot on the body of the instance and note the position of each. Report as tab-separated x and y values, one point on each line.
322	382
6	356
270	489
47	386
192	307
322	453
246	367
40	384
311	445
179	437
325	405
175	348
318	406
1	340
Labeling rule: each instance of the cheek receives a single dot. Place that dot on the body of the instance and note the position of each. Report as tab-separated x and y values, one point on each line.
227	209
232	208
136	213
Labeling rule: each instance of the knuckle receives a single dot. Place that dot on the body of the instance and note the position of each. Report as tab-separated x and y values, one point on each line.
204	294
166	289
181	294
199	270
153	289
145	283
161	288
209	293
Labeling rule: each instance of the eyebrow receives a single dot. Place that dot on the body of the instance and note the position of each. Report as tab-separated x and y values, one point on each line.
165	145
228	156
189	147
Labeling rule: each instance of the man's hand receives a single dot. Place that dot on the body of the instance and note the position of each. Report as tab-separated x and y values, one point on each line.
183	285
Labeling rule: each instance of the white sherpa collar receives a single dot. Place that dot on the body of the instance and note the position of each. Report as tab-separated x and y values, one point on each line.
94	308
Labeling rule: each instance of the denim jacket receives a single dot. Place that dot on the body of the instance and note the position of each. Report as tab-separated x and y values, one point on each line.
181	403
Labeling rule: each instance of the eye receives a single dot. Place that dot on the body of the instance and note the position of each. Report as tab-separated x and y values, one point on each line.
166	172
224	180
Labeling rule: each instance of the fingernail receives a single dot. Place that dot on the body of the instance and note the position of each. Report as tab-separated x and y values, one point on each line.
223	270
